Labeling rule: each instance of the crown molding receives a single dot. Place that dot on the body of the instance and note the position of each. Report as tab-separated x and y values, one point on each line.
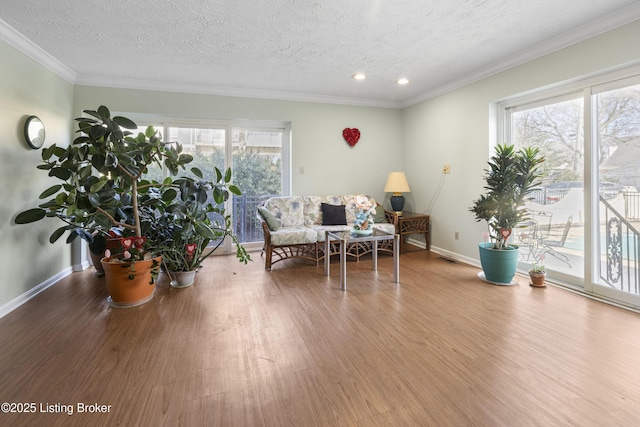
35	52
607	23
123	83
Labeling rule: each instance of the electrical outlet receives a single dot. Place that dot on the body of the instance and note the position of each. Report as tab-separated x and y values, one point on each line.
456	235
301	170
446	168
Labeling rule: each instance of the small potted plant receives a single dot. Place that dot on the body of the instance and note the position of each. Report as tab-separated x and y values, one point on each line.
538	273
183	232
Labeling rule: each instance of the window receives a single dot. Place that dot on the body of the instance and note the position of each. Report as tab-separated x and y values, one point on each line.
617	154
257	162
257	152
555	127
585	218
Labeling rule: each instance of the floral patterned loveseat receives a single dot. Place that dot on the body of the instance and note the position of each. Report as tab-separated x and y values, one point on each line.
293	226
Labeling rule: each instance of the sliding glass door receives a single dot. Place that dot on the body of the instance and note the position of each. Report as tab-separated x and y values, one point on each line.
585	224
617	139
257	161
555	235
255	155
257	152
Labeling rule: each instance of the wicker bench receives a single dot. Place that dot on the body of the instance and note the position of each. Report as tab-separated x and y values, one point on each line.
297	228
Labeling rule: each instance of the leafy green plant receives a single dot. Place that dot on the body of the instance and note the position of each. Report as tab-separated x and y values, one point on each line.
183	231
104	185
511	176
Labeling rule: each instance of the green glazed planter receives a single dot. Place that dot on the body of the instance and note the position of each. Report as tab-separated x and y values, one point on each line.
499	265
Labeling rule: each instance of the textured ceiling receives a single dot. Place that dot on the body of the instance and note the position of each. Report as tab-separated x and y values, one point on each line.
299	49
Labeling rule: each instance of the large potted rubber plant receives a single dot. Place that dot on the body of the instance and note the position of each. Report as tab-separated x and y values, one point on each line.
103	187
510	178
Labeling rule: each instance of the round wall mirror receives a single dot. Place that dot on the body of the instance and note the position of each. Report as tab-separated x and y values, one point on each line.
34	132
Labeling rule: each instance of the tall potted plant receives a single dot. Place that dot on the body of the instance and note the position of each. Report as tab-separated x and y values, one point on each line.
104	187
510	178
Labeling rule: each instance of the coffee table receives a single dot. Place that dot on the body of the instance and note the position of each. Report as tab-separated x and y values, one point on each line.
347	237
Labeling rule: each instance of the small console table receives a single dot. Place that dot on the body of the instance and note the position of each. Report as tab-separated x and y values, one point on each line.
411	223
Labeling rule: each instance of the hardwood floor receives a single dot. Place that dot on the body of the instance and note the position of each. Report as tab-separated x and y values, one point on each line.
245	347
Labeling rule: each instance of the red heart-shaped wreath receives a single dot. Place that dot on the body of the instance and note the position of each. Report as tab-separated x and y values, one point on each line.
351	135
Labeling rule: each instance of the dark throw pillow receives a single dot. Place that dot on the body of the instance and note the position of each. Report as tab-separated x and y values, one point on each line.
333	214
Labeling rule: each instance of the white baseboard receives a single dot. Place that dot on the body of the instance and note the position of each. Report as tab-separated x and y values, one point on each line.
21	299
452	256
82	266
455	256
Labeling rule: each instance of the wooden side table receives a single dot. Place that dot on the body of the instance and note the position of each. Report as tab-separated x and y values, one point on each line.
411	223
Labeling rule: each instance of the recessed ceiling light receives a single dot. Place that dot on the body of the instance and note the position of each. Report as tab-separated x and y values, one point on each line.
359	76
402	81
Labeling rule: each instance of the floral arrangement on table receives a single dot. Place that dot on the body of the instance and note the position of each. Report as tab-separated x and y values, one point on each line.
364	216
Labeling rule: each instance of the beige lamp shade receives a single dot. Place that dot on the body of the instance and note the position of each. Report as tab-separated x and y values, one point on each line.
397	183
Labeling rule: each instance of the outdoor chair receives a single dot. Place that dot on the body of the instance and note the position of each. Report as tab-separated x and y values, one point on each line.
556	238
535	232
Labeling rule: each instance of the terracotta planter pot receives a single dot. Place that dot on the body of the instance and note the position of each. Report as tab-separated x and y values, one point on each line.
126	292
537	279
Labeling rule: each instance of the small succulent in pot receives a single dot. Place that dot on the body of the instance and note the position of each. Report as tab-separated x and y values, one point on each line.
538	273
538	268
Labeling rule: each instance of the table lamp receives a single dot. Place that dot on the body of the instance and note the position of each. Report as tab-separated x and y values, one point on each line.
397	184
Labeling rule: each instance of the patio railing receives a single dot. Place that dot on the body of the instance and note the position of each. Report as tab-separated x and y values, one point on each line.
549	196
621	266
632	205
246	224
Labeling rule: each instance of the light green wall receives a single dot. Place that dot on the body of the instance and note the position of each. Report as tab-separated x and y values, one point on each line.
455	128
330	165
26	88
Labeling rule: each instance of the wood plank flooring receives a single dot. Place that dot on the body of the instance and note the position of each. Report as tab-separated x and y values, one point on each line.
245	347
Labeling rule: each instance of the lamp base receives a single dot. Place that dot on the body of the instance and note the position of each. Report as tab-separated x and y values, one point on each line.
397	203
